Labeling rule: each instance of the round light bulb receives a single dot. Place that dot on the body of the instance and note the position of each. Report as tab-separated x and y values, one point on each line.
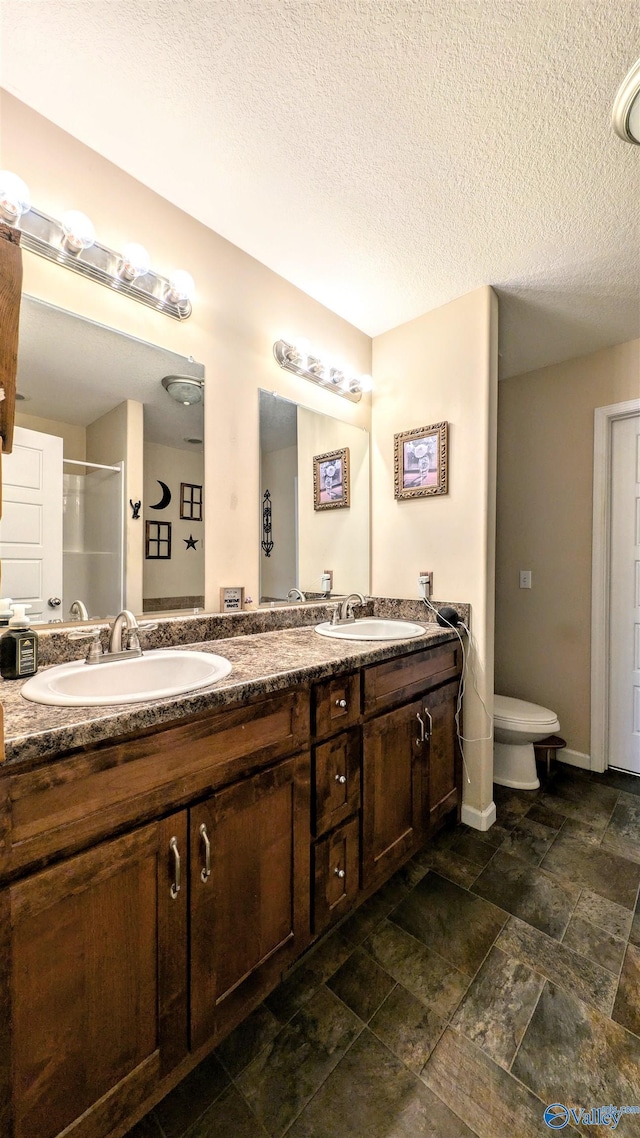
78	230
14	197
366	383
135	262
181	287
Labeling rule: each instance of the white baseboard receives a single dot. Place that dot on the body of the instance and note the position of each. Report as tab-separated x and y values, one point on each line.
574	759
479	819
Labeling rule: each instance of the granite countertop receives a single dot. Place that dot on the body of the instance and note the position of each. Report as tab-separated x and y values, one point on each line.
262	663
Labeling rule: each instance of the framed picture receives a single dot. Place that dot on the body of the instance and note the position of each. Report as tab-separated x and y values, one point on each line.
331	480
157	546
191	501
421	461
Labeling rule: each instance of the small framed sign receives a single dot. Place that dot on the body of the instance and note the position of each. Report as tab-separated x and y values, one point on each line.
232	599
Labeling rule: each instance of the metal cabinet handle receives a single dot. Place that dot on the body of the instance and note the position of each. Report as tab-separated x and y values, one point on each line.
430	728
205	873
422	728
341	703
341	778
54	602
339	873
177	874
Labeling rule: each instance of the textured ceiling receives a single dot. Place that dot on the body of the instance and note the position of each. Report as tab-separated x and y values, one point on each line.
384	155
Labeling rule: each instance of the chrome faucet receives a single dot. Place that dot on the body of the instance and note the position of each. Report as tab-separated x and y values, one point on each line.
295	595
78	610
343	613
124	620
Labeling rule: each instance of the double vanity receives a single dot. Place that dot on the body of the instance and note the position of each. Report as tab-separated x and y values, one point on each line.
164	863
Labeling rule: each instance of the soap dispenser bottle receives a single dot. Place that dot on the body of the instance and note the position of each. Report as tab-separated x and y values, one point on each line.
6	611
18	647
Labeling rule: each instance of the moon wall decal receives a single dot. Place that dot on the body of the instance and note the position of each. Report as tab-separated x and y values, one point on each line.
165	499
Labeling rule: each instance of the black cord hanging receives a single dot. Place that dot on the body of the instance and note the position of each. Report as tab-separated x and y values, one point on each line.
267	543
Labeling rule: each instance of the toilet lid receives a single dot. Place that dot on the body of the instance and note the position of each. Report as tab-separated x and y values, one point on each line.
508	710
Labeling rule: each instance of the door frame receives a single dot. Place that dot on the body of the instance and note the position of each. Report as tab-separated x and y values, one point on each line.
604	417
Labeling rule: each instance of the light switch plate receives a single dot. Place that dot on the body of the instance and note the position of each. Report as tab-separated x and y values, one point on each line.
525	578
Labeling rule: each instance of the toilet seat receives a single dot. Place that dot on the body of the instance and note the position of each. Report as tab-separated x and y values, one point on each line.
517	714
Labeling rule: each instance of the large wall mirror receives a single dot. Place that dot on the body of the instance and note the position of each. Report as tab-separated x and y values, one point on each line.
314	496
103	493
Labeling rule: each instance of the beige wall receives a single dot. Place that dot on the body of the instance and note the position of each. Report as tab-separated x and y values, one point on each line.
333	539
74	437
240	309
443	366
117	437
183	574
545	480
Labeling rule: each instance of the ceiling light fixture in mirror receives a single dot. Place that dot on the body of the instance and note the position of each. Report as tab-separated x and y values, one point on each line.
71	242
305	360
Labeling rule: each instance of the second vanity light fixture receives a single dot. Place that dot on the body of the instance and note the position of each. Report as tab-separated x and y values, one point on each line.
71	242
303	359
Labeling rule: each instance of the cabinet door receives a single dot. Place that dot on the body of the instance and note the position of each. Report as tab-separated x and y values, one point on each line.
391	793
335	874
250	855
97	998
443	788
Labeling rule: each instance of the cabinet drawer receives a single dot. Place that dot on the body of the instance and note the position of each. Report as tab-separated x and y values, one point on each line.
336	780
61	806
336	874
398	680
336	704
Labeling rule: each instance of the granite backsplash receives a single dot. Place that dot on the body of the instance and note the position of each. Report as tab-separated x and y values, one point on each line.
55	647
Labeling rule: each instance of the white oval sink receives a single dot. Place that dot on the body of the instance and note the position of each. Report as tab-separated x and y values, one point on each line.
155	675
372	628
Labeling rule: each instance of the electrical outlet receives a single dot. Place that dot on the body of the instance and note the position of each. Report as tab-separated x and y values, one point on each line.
425	583
525	578
327	580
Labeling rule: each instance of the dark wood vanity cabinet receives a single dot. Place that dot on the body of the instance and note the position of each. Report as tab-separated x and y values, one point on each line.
157	889
392	806
96	1004
249	877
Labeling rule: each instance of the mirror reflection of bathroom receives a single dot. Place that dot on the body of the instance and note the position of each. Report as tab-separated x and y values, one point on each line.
103	493
314	503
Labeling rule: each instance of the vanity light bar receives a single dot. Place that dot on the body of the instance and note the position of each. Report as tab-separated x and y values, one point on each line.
303	360
71	243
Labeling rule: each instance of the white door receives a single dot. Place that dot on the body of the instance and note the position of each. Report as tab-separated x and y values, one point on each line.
624	610
31	526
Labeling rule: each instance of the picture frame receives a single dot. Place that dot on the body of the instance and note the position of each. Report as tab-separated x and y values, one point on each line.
191	501
331	481
421	462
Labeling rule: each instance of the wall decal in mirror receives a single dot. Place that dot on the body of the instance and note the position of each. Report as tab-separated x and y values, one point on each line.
331	480
191	501
420	462
158	541
267	542
165	499
96	417
191	541
304	540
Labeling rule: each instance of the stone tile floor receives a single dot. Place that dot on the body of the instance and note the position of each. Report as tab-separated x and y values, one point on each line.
495	974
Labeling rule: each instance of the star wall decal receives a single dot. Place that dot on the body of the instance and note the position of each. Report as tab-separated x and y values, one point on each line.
191	541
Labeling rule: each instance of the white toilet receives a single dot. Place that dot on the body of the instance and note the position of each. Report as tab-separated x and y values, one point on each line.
517	725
